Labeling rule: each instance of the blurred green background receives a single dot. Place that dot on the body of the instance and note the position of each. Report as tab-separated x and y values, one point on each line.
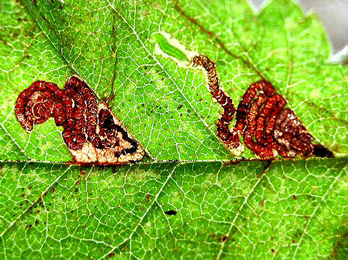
333	15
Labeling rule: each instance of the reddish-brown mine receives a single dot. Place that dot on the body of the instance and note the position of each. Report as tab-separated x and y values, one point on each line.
89	127
267	126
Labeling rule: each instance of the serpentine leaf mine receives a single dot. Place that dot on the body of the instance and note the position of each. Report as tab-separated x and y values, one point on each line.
268	128
92	133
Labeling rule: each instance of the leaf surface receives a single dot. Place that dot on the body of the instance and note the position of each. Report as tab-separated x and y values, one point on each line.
187	200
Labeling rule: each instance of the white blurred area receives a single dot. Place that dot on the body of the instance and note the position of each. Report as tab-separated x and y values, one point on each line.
332	13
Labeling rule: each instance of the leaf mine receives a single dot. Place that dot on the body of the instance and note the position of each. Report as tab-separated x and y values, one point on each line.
267	127
92	133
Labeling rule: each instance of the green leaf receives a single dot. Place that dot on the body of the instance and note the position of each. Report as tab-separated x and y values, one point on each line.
187	201
295	209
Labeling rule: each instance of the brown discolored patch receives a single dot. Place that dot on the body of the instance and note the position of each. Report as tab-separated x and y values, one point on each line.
92	133
222	239
340	248
148	198
262	119
112	254
262	204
